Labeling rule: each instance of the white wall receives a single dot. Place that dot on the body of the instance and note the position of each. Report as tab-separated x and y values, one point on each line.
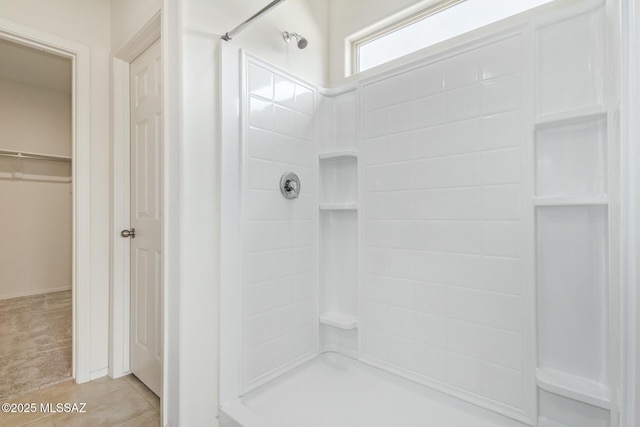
35	217
264	36
35	247
128	17
34	119
87	23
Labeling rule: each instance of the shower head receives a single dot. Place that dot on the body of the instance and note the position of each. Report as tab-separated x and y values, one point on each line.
301	41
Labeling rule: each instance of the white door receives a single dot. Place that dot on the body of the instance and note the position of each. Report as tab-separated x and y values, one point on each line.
146	218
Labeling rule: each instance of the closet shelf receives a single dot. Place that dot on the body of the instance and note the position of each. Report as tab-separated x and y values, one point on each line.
574	387
24	155
338	206
552	119
350	153
27	166
601	200
339	320
39	178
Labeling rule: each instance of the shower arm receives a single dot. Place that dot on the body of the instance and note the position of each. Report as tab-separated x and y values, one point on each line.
231	34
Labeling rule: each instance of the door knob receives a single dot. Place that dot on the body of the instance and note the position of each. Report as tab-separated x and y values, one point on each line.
129	233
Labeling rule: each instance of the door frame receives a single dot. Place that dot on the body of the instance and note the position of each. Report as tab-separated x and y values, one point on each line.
81	180
120	197
630	207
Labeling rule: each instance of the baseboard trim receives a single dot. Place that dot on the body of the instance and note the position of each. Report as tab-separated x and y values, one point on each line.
98	374
32	293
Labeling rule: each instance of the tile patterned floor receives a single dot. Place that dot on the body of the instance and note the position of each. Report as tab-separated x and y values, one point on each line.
35	342
123	402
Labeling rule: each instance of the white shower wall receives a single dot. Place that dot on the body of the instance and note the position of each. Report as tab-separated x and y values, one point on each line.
458	206
444	259
279	301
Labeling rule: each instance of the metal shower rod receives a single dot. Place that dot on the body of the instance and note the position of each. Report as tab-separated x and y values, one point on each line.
229	35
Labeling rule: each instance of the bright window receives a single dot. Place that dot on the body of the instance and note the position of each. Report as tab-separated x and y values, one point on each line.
439	22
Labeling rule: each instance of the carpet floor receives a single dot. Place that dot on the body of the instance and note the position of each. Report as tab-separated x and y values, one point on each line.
35	342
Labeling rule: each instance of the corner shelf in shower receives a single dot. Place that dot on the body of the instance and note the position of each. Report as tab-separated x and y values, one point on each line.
339	320
338	206
597	200
574	387
562	117
349	153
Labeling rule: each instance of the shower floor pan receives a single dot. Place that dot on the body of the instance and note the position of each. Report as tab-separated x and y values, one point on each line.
335	391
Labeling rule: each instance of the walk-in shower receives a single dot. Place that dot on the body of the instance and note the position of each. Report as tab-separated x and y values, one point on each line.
446	261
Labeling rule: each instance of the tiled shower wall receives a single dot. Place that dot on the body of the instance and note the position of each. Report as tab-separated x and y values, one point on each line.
278	296
443	268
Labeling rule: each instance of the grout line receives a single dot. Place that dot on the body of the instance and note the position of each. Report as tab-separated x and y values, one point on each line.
138	388
480	82
443	220
280	220
279	163
443	123
489	291
278	308
144	414
271	250
44	415
277	279
429	251
456	187
279	103
37	390
297	138
443	156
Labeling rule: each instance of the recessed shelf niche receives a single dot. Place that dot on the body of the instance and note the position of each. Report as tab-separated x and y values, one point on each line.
572	296
571	200
571	238
571	157
338	224
338	180
338	275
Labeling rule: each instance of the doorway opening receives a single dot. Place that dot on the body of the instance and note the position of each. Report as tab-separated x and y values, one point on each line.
36	218
25	162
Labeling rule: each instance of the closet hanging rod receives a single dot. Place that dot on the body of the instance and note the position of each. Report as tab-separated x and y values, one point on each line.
231	34
34	156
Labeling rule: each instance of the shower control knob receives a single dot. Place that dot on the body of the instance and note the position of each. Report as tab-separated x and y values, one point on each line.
290	185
